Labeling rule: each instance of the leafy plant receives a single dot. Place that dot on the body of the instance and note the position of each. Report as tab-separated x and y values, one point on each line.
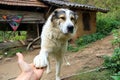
113	62
116	40
116	76
106	25
10	35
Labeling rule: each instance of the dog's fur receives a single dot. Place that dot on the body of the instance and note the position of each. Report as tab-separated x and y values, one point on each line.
56	32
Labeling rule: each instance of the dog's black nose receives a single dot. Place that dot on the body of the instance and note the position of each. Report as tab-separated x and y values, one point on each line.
70	28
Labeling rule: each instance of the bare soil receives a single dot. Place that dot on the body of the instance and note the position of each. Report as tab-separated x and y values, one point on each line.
85	59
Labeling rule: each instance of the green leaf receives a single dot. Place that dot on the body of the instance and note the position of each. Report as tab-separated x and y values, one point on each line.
117	77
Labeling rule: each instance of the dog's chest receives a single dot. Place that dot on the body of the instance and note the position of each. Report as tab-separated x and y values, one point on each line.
59	47
54	41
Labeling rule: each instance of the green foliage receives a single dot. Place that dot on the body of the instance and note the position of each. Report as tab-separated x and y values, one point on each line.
22	36
106	25
116	40
116	76
88	39
11	35
113	62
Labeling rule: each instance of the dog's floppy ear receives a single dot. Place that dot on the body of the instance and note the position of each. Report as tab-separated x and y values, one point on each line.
54	15
76	16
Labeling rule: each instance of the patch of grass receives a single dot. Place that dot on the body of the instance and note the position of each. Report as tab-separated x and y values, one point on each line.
103	75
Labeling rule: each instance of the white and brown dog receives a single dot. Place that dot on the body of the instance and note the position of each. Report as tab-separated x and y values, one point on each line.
56	32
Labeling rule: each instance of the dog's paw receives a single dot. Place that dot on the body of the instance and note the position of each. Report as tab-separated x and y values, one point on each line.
40	62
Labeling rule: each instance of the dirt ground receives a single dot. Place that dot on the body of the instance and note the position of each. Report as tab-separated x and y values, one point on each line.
87	58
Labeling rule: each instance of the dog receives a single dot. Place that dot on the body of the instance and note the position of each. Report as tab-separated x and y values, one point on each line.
58	29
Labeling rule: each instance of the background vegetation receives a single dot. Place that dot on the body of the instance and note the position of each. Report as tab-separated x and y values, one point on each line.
112	63
106	23
11	35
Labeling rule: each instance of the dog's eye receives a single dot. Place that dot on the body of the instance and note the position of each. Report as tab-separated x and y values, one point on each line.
62	18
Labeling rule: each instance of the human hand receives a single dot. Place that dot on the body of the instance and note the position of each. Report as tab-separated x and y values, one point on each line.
28	71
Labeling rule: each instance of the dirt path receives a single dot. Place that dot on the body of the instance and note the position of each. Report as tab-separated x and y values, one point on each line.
82	60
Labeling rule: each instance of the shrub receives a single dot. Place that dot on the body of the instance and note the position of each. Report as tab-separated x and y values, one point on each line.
106	25
116	76
116	40
113	62
88	39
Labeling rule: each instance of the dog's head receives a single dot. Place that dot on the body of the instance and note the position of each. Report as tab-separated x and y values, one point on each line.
64	19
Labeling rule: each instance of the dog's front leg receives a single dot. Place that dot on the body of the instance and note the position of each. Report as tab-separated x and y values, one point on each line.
58	67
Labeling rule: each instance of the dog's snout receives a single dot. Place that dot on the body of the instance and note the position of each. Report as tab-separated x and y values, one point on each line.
70	28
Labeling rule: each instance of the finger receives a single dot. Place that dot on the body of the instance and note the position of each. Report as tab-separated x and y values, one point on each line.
22	64
20	57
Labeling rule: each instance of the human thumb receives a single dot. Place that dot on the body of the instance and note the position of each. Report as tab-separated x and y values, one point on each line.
20	57
22	64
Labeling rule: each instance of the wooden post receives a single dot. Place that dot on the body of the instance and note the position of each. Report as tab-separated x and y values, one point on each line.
38	31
